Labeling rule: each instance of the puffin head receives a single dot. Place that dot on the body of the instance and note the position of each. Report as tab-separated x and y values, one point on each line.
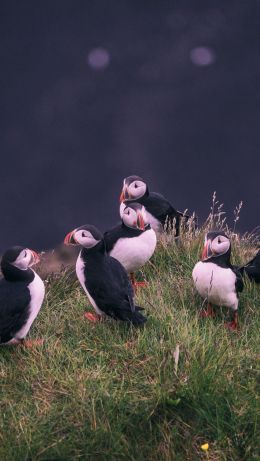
134	187
134	216
87	236
16	261
216	244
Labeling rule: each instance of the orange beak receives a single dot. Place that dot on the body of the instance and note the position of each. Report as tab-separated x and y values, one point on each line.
204	252
140	221
207	251
35	257
124	195
69	239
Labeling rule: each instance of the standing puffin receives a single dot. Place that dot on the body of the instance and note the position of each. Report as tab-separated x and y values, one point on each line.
21	295
215	278
160	213
133	241
103	278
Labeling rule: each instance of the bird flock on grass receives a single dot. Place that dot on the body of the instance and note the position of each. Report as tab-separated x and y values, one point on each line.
107	263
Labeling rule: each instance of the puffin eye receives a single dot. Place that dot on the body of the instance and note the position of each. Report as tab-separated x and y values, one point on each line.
128	212
25	254
83	234
136	186
219	240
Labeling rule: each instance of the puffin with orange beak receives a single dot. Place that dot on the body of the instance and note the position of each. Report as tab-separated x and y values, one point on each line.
103	278
132	242
21	295
216	279
160	213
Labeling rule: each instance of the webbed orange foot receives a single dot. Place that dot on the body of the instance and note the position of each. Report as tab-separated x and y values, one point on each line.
94	318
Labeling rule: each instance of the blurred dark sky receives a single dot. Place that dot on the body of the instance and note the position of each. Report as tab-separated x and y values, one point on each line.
93	91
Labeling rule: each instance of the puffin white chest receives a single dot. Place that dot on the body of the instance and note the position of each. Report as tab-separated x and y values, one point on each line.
37	292
216	284
80	274
134	252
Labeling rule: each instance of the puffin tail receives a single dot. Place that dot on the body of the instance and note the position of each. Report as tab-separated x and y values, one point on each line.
136	318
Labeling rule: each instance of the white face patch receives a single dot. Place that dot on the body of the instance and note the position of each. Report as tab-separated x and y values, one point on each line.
121	209
24	260
220	245
136	189
85	238
129	217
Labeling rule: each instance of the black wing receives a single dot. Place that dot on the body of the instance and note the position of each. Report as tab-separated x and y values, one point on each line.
14	312
159	207
113	292
239	280
162	210
111	236
252	268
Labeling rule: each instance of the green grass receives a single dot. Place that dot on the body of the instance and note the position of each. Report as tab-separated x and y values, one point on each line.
112	392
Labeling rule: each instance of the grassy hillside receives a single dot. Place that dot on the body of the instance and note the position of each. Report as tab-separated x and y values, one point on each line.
111	392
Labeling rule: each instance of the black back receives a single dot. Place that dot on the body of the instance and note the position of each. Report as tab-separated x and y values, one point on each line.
161	209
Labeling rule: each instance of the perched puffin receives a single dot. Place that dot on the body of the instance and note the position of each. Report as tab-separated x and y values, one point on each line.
133	241
252	268
215	278
103	278
21	295
160	213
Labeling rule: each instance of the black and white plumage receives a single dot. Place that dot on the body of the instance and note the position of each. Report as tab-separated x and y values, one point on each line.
103	278
252	268
160	213
21	294
132	242
215	278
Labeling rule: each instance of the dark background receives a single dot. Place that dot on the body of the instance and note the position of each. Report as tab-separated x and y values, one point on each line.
76	120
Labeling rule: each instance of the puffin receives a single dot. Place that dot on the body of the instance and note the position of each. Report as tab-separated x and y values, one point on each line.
252	269
132	242
103	278
160	213
21	295
216	279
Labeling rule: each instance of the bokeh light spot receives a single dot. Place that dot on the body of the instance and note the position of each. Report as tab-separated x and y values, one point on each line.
98	58
202	56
